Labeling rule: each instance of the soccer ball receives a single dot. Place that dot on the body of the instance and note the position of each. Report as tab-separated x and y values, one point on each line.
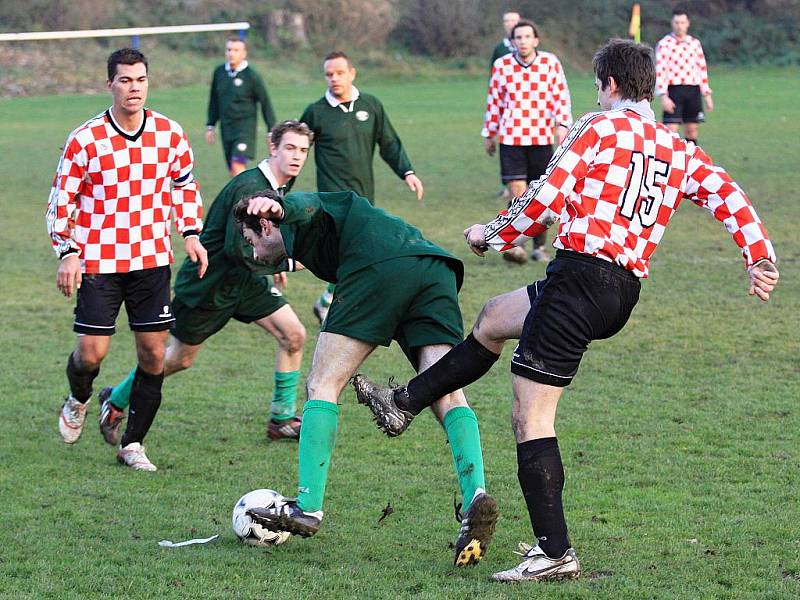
253	533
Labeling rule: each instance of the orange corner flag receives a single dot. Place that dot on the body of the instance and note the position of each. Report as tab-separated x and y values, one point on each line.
635	28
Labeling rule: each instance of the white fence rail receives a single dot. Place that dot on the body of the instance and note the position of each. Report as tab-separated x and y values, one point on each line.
134	32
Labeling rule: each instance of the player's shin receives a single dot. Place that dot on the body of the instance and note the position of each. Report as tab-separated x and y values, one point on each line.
121	394
464	364
80	379
541	477
461	426
317	441
284	395
145	400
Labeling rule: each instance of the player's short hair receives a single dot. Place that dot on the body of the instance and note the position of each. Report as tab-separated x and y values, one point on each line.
630	64
236	38
337	54
240	214
525	23
680	10
124	56
291	126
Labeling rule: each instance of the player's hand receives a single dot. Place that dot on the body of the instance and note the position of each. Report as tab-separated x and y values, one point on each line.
476	239
68	276
489	146
265	207
667	104
197	254
280	280
211	136
415	185
763	279
561	134
709	103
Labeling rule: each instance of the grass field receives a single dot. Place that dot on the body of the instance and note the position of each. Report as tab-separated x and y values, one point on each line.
680	435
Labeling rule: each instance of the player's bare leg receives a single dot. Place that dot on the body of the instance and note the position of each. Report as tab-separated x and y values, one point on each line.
691	131
517	254
83	366
237	167
500	319
290	334
336	358
541	477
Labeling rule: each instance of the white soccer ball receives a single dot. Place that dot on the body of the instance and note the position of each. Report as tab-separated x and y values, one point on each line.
253	533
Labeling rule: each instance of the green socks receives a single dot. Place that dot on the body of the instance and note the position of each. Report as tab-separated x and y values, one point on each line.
317	440
284	395
327	296
121	395
461	426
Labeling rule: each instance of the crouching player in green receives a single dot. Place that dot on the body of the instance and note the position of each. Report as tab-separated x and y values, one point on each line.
365	251
234	287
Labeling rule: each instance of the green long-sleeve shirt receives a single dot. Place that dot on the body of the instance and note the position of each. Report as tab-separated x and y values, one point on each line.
233	101
345	136
503	47
338	233
230	258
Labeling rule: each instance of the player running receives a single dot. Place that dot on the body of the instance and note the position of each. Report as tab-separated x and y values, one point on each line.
342	239
121	176
235	287
614	185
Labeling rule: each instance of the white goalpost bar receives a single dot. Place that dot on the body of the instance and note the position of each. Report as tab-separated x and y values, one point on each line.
130	31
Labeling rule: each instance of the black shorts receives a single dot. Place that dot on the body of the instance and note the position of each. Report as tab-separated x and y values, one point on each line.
146	297
582	299
523	163
688	104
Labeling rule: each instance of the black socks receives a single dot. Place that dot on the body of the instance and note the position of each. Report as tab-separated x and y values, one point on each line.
144	403
80	381
464	364
541	477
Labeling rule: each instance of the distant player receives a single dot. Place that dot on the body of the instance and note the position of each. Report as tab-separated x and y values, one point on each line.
236	90
527	109
682	78
392	283
121	176
235	287
613	184
506	45
347	126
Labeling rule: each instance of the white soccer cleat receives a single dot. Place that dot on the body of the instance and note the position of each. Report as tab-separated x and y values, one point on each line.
537	566
71	419
133	456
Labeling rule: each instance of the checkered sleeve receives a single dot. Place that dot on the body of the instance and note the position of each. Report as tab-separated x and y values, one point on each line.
494	102
561	102
709	186
187	206
65	195
702	69
662	65
541	205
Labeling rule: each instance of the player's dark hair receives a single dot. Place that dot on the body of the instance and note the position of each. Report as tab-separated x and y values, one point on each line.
124	56
525	23
276	133
337	54
240	214
630	64
680	10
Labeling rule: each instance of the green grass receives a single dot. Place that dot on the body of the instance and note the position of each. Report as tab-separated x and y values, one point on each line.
679	437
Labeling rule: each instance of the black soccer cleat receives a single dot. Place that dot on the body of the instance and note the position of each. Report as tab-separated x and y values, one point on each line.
477	528
287	517
381	400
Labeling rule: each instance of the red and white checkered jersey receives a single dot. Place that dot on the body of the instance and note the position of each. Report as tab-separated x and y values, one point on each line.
615	183
525	102
680	63
114	191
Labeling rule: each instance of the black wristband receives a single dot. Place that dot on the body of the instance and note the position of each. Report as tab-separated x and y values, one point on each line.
189	232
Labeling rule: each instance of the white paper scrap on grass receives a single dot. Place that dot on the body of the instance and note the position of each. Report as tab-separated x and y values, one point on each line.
168	544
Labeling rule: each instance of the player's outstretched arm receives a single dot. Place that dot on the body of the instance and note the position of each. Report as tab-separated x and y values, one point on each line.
196	253
763	279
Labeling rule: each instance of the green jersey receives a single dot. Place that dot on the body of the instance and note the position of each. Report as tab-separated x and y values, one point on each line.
232	102
336	234
229	256
345	136
503	47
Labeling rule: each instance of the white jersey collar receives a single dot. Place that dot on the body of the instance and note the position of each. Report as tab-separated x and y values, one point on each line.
263	166
232	73
641	107
345	106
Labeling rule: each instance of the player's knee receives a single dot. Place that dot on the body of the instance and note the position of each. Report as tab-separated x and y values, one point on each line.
151	357
89	359
488	316
295	339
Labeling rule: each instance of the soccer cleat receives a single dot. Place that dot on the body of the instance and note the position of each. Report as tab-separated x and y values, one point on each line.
516	255
133	456
477	528
71	419
537	566
382	401
539	254
287	517
284	430
110	418
320	311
